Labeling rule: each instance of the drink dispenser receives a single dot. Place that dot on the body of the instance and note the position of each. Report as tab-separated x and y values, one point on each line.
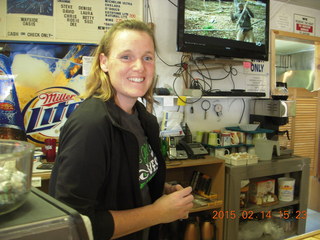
271	114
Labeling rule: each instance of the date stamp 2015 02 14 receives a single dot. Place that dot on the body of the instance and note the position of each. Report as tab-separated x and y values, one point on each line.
249	214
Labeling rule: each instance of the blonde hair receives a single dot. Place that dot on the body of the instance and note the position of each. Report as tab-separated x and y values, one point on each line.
98	82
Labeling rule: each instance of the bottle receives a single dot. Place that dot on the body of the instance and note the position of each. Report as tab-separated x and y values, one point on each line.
192	231
11	119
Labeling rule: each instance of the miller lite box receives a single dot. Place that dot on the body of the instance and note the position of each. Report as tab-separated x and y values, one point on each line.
48	82
11	120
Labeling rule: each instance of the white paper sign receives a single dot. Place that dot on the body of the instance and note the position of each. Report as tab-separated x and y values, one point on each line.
304	25
79	21
255	83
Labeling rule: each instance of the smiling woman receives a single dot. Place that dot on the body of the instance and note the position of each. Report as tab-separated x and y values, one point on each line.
113	141
130	66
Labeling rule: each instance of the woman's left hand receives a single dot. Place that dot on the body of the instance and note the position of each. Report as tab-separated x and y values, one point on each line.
169	188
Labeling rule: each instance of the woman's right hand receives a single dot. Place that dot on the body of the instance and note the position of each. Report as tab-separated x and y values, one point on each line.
174	206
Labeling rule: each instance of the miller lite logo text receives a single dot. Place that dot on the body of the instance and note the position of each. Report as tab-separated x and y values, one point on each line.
46	113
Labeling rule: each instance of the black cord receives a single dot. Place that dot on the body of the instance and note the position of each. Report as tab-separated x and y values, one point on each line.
175	92
208	75
233	84
173	3
244	107
169	65
149	13
149	10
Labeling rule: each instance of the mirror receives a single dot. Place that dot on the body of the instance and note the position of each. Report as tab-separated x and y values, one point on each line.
294	60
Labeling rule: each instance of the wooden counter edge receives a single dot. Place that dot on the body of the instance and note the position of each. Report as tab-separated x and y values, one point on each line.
44	175
315	233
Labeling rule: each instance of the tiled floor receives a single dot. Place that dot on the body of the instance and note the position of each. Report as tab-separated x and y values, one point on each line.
313	220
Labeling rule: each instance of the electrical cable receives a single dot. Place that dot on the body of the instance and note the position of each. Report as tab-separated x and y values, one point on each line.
149	10
175	92
149	13
173	3
244	107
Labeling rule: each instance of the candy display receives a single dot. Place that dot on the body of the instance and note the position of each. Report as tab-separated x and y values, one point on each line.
12	188
16	160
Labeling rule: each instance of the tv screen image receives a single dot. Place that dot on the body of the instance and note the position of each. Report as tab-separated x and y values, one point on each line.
224	28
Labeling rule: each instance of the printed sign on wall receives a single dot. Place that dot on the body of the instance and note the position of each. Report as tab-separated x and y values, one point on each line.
47	80
80	21
304	25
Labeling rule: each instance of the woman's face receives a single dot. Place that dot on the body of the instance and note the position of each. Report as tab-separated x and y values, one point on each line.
130	65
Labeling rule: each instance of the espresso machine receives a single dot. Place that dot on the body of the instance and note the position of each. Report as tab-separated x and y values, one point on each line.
271	114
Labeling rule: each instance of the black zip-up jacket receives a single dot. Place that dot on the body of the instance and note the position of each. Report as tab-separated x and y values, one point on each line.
97	165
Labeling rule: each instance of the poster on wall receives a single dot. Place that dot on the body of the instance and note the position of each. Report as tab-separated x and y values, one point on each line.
256	75
43	84
79	21
304	24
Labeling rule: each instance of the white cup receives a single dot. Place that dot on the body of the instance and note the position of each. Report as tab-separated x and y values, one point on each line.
249	138
252	150
219	152
242	149
225	139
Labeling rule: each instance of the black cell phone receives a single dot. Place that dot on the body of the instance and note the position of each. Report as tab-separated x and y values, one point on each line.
44	166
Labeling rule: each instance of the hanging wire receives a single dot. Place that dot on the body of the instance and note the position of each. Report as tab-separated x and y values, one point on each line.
244	107
173	3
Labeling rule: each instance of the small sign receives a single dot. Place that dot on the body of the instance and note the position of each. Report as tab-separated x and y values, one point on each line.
247	65
182	100
304	25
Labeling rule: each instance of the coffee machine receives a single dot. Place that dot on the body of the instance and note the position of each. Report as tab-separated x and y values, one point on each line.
271	114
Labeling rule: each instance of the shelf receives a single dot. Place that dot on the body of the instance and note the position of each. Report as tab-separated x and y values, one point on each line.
207	160
206	97
205	208
181	171
259	130
229	146
294	166
256	208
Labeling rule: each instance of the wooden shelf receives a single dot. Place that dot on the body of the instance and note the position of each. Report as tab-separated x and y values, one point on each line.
193	162
181	171
205	208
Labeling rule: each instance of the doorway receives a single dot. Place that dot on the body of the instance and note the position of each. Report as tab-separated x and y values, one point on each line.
295	60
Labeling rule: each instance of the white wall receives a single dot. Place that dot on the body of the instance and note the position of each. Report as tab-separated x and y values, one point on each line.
282	16
164	16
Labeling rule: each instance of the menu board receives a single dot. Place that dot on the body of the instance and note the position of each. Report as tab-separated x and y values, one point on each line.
82	21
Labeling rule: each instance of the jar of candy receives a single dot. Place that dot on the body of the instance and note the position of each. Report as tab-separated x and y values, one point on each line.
16	159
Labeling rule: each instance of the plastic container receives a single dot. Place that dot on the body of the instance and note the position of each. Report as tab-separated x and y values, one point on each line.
286	189
16	159
249	127
264	149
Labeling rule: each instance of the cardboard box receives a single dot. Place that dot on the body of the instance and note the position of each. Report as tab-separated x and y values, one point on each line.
262	191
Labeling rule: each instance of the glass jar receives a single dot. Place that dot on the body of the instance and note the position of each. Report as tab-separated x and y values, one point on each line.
280	92
16	159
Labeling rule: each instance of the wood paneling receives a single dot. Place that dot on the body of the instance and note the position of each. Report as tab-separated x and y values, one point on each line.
304	127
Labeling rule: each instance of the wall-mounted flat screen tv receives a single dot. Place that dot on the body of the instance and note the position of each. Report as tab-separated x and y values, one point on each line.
224	28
